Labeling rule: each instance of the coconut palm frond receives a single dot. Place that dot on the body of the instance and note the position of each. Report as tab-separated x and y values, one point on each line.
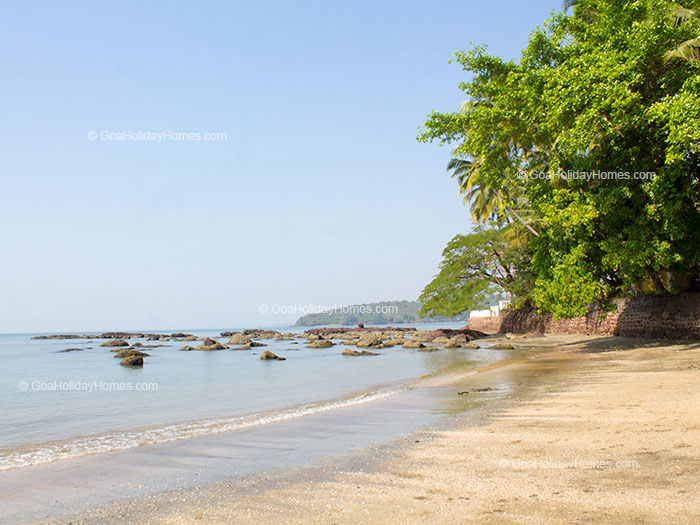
684	13
688	50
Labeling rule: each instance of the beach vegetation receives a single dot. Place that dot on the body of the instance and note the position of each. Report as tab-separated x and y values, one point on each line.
581	160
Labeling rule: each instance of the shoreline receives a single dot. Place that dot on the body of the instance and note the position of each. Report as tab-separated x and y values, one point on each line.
145	471
601	440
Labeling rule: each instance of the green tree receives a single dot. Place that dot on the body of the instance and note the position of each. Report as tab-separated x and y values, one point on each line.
475	268
592	94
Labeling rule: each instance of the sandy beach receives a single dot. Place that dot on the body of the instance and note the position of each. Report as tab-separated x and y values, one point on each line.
607	431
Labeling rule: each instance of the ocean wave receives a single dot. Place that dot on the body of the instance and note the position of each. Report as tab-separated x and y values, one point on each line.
49	452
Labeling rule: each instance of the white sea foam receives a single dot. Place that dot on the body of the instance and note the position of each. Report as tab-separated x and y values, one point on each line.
55	451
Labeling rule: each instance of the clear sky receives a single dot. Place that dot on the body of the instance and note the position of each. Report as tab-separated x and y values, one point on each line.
320	194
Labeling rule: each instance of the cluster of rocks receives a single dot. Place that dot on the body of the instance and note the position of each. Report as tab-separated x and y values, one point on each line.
366	340
378	338
176	336
361	328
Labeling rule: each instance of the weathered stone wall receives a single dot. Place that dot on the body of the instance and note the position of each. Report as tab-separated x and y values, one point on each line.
643	316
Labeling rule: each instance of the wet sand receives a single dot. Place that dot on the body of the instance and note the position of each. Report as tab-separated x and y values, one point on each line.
607	431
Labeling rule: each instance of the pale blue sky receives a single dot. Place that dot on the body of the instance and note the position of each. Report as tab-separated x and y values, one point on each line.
319	195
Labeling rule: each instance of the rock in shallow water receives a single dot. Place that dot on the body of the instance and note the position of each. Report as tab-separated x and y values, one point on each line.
129	352
210	344
267	356
502	346
132	361
350	351
370	340
323	343
115	342
239	339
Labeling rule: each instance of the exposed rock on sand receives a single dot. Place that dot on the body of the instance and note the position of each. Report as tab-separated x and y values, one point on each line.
115	342
267	356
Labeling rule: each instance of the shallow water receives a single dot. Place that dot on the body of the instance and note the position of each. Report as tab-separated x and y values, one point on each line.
67	405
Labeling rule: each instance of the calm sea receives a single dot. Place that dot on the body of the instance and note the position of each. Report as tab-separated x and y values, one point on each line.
63	405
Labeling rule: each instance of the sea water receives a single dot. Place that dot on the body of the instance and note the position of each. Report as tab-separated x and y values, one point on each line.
64	405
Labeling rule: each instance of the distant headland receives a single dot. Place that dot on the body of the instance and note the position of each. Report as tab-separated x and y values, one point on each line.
386	312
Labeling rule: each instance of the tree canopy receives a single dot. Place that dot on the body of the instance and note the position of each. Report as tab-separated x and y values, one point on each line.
585	154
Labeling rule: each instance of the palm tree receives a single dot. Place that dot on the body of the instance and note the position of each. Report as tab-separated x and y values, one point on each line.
485	201
584	12
690	49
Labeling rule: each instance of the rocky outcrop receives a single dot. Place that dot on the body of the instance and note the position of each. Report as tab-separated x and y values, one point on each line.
432	335
371	340
323	343
351	352
209	344
262	334
186	348
239	339
59	336
269	356
132	361
128	352
108	335
335	331
502	346
428	349
115	342
413	344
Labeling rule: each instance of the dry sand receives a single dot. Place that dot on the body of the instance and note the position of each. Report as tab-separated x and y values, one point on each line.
614	437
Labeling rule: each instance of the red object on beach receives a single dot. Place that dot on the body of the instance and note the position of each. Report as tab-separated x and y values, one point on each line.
361	326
